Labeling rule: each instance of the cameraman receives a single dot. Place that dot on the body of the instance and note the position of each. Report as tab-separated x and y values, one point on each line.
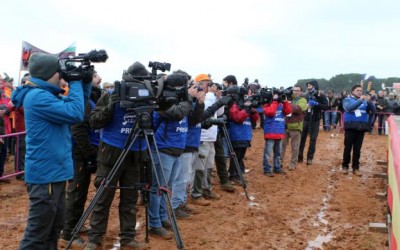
316	103
85	145
294	126
240	132
48	117
116	123
274	132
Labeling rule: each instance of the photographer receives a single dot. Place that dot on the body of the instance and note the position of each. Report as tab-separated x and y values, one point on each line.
241	114
170	130
48	117
184	177
274	132
85	145
116	123
316	103
357	107
294	126
204	158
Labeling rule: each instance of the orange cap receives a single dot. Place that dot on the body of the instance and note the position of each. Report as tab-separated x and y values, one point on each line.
202	77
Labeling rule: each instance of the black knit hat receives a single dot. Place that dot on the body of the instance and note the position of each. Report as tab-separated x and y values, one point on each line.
137	69
43	66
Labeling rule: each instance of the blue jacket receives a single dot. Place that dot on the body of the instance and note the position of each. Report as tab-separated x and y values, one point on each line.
193	137
48	117
356	113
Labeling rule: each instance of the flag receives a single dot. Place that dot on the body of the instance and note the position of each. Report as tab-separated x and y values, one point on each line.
28	49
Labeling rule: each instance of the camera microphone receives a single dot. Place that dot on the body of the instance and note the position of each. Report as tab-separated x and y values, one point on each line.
93	56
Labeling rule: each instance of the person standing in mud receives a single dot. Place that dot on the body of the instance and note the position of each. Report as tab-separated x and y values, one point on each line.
316	102
356	109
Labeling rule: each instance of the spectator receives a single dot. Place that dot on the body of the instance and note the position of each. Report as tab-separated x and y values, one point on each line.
294	127
253	89
356	107
274	132
19	128
316	102
372	117
5	128
245	84
340	99
48	117
330	113
381	105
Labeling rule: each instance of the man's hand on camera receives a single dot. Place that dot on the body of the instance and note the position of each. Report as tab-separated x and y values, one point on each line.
113	99
275	97
193	91
87	74
201	96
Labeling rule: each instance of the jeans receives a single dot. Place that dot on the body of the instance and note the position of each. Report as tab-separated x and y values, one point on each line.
330	119
179	187
276	146
46	216
167	171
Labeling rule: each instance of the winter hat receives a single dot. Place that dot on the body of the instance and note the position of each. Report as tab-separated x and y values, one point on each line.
137	69
202	77
43	66
176	80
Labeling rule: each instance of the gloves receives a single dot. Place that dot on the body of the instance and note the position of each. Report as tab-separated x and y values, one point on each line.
224	101
87	74
312	103
113	99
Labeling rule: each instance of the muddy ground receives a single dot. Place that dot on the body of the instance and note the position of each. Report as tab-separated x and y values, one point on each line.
313	207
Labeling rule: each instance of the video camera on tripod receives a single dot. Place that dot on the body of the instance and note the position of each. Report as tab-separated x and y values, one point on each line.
85	69
139	88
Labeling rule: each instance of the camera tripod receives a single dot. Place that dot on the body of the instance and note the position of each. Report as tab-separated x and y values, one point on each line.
141	128
234	157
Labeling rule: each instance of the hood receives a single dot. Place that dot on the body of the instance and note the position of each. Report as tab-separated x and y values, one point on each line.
313	83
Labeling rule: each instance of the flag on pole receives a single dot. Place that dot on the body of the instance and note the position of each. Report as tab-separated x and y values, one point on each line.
28	49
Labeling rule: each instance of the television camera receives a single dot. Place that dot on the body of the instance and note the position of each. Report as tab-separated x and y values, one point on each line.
139	88
85	70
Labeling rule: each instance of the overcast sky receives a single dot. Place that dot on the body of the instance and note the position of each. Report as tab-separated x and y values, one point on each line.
277	42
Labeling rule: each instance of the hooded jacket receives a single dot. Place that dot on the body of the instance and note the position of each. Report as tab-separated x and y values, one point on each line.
314	113
48	120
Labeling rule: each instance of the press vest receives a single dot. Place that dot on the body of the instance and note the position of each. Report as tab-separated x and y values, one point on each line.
116	132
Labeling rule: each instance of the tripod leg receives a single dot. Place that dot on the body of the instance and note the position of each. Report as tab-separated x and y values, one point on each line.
160	181
105	183
235	160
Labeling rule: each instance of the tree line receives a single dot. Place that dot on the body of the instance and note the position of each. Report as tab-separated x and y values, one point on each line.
342	82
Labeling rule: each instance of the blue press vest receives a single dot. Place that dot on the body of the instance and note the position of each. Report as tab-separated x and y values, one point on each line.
193	136
170	134
116	132
240	131
276	124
